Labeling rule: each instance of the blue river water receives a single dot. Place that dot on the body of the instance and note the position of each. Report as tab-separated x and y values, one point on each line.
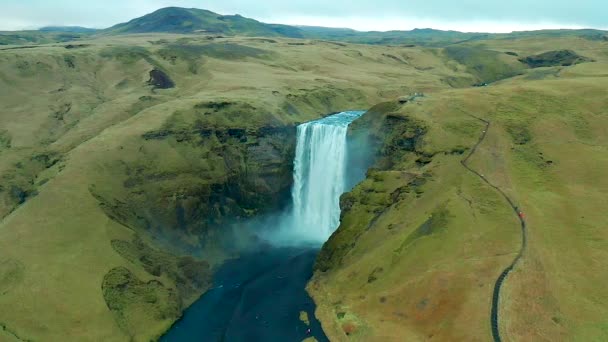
257	297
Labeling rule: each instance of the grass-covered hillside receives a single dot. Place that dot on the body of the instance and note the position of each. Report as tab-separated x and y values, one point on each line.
425	237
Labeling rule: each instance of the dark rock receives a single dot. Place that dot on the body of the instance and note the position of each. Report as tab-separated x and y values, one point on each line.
157	135
424	160
375	274
255	178
18	194
47	159
393	57
76	46
554	58
160	80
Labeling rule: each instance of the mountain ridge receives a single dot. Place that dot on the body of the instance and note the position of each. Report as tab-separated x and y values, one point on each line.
194	20
179	20
70	29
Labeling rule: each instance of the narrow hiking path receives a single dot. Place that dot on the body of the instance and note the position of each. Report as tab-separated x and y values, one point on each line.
522	221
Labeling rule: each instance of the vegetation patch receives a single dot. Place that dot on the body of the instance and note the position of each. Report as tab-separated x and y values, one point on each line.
191	54
126	54
414	186
32	68
487	65
76	46
375	274
319	99
11	274
304	317
5	139
541	74
189	275
225	51
70	61
132	300
17	184
434	224
554	58
519	133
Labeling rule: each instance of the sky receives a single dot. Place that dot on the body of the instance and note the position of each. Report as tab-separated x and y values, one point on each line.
376	15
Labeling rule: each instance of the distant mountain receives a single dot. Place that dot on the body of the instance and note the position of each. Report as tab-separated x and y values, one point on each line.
72	29
425	36
192	20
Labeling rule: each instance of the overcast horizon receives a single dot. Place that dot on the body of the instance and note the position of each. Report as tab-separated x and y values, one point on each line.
380	15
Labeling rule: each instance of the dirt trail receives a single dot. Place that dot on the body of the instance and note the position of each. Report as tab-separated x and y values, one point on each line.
501	278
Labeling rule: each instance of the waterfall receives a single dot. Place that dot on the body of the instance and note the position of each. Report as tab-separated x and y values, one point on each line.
319	176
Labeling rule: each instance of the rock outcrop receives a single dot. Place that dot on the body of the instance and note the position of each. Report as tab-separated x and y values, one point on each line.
554	58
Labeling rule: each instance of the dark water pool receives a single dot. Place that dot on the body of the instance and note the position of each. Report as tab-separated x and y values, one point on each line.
257	297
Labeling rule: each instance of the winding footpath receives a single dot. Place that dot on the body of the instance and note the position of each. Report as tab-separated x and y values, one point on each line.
501	278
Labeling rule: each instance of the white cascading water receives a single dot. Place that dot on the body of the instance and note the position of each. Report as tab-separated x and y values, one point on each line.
319	176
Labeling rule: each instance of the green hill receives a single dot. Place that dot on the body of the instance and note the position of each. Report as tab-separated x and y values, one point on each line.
192	20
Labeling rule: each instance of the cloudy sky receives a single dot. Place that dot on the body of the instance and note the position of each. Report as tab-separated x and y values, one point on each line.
462	15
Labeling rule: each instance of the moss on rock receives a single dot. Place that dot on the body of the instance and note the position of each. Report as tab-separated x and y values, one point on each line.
392	137
131	299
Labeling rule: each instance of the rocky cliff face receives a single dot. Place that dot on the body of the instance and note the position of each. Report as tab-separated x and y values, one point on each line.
182	188
219	176
390	138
